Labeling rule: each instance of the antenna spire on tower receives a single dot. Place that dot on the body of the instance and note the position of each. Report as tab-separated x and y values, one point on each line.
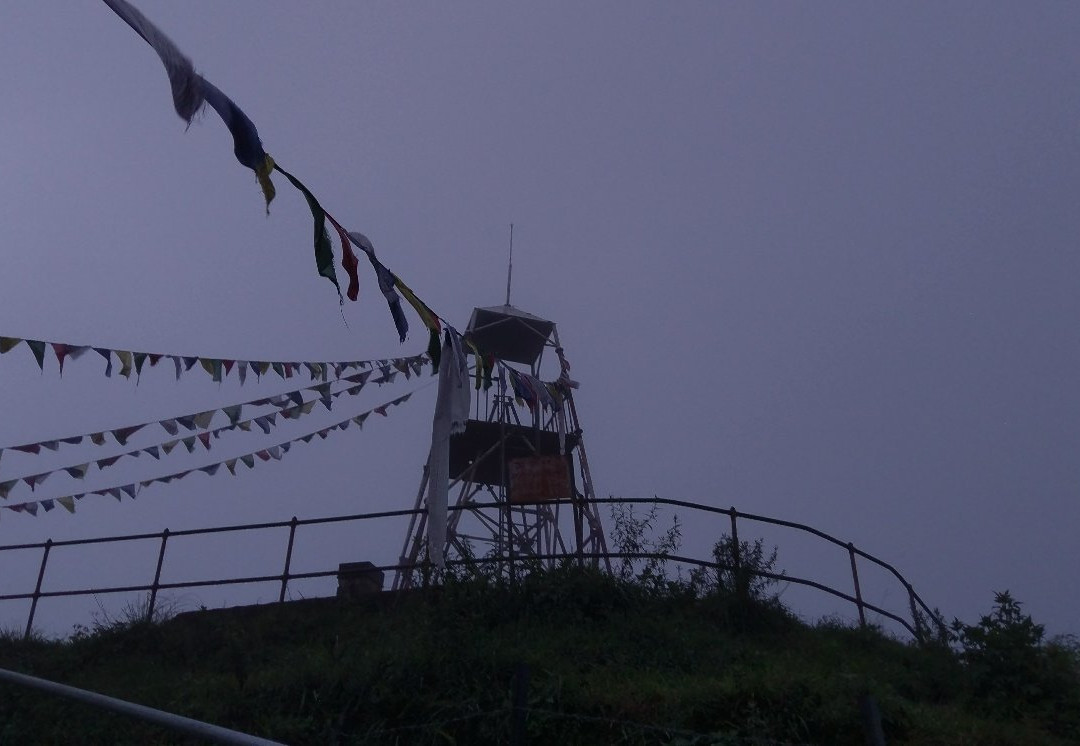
510	265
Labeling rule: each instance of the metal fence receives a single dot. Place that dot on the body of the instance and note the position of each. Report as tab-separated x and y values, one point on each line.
914	619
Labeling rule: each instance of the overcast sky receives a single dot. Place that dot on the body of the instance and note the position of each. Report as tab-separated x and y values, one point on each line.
817	261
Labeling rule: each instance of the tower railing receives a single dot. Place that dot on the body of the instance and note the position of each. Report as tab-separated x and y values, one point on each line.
913	619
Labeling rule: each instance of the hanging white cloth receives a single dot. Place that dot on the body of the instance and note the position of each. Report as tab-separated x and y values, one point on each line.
451	411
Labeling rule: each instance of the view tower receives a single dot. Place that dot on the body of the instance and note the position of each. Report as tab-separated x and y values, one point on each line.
521	454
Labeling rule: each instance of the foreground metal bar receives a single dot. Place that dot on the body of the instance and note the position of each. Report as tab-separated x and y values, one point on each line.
212	733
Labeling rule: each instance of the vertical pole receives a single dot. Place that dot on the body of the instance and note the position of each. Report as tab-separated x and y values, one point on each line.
914	612
858	590
520	704
871	720
504	492
37	590
157	577
736	559
288	560
510	265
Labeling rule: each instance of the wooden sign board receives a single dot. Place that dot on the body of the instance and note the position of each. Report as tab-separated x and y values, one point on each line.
537	479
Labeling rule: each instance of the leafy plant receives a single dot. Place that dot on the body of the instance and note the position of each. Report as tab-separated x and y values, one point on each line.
739	570
633	534
1013	671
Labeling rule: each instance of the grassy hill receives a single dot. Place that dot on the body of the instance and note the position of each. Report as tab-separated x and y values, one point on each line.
609	660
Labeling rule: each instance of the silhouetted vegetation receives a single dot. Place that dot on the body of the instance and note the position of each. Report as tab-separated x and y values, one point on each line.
641	655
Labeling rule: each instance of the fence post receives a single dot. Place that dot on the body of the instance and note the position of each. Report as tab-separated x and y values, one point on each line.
914	613
288	560
520	698
858	590
870	715
37	590
737	574
157	577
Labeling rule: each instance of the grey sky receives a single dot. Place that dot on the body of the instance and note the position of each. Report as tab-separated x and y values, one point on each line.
813	260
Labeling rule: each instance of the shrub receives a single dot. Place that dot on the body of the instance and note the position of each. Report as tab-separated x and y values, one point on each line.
1012	671
738	570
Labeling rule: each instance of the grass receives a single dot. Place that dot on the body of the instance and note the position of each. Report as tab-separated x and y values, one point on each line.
609	660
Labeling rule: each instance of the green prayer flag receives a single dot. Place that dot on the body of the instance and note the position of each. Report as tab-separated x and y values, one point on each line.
6	343
324	252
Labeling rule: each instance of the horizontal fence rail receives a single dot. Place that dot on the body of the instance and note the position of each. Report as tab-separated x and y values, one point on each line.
918	609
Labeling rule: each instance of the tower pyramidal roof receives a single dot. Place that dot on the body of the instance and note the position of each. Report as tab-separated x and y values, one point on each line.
509	333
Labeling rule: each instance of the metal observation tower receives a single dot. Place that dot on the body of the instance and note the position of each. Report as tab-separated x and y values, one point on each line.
522	450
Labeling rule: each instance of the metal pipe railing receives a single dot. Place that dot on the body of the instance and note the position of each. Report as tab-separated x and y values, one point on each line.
188	726
741	573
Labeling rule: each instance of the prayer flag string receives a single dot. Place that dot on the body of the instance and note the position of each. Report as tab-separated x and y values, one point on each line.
274	452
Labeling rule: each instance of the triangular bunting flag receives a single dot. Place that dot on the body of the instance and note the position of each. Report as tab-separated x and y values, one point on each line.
61	351
38	348
107	354
8	343
125	363
77	471
124	433
36	479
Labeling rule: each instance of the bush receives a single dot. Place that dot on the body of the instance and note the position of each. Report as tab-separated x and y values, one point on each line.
738	571
1013	672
